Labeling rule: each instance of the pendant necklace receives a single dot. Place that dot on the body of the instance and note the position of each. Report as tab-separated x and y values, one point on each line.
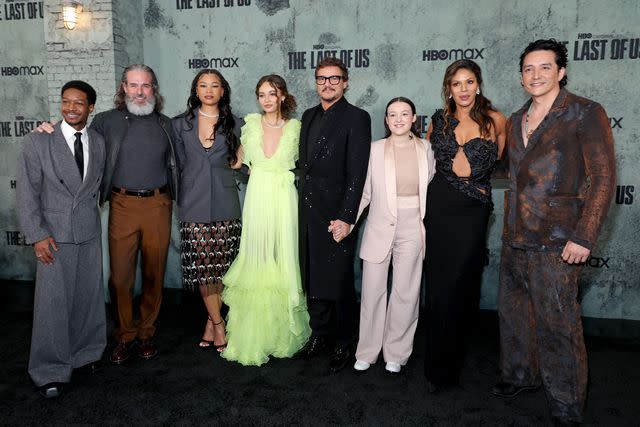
526	122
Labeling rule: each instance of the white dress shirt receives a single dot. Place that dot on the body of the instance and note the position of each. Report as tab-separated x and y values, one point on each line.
70	136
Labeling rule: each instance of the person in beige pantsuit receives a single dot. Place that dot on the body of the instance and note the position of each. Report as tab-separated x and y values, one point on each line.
400	168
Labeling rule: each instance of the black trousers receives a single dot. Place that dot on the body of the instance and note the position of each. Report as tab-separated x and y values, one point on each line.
329	318
541	329
456	225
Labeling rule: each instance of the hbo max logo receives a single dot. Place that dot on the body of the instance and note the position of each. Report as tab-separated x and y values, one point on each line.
452	54
230	62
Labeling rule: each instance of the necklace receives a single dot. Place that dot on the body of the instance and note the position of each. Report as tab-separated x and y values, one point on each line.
276	126
526	122
211	116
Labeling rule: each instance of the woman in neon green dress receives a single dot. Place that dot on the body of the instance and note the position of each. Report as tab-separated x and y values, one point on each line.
267	307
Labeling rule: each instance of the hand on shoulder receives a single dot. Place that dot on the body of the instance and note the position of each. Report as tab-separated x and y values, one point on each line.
46	127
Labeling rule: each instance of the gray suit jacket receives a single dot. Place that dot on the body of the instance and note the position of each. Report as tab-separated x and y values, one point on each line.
208	190
52	200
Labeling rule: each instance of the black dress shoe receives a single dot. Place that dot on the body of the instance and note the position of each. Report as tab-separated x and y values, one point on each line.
50	390
312	348
340	358
503	389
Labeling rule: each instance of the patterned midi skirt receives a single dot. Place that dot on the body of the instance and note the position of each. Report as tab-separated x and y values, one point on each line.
207	252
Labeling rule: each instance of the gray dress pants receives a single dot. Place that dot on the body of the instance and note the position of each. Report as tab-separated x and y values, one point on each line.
69	324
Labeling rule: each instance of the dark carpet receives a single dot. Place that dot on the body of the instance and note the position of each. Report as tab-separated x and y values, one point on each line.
185	386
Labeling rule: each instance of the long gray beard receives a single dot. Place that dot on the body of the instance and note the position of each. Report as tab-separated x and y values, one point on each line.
141	110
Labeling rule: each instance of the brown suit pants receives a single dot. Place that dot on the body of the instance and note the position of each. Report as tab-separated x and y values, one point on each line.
541	329
138	224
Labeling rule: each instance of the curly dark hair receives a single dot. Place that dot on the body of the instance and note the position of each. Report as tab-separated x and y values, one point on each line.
119	98
226	121
482	106
289	105
414	125
559	49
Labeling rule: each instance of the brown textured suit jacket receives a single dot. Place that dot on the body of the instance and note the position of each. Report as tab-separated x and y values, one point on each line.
562	182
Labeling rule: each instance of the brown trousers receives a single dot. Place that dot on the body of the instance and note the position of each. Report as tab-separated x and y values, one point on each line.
138	224
541	329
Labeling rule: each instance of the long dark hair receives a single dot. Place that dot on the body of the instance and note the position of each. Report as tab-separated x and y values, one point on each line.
119	98
289	105
414	125
225	117
481	107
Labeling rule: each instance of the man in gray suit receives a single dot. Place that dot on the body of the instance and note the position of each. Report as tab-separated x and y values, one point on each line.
59	177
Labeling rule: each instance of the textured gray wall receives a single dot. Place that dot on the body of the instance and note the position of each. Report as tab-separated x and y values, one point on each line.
394	48
23	91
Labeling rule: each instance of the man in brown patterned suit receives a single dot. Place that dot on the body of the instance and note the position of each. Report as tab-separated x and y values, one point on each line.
562	171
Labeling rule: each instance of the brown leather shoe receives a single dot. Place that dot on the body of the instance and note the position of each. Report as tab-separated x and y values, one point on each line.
121	352
147	349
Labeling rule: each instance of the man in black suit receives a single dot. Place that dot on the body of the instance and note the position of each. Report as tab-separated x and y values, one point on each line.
334	153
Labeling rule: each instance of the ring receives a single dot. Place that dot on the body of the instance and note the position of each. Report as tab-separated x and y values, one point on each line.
39	256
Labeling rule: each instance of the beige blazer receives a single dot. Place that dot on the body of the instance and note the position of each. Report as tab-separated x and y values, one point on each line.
380	195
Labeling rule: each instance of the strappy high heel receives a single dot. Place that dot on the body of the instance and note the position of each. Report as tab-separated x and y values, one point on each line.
219	347
207	344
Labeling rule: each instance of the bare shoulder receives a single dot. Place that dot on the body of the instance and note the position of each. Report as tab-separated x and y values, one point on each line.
498	118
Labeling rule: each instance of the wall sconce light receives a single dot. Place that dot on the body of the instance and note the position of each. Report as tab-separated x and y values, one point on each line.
70	11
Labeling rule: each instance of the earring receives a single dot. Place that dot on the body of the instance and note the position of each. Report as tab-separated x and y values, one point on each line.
450	96
478	91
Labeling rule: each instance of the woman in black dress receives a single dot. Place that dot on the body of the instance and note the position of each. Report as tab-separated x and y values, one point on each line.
467	137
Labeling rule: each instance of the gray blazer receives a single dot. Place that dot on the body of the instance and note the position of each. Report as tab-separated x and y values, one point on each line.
208	190
52	200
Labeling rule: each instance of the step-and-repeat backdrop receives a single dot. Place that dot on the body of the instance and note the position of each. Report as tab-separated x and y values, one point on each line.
392	48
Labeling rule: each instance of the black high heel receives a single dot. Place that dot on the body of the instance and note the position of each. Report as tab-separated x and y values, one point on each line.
219	347
207	344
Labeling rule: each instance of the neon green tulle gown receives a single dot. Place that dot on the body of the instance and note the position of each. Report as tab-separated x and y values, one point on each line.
267	307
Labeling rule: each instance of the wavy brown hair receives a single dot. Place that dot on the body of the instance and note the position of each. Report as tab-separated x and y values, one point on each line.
481	107
119	98
289	105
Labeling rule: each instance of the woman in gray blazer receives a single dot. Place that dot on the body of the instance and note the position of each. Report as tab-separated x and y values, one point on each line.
207	141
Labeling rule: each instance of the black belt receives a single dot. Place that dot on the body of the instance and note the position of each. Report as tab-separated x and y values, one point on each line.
140	193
